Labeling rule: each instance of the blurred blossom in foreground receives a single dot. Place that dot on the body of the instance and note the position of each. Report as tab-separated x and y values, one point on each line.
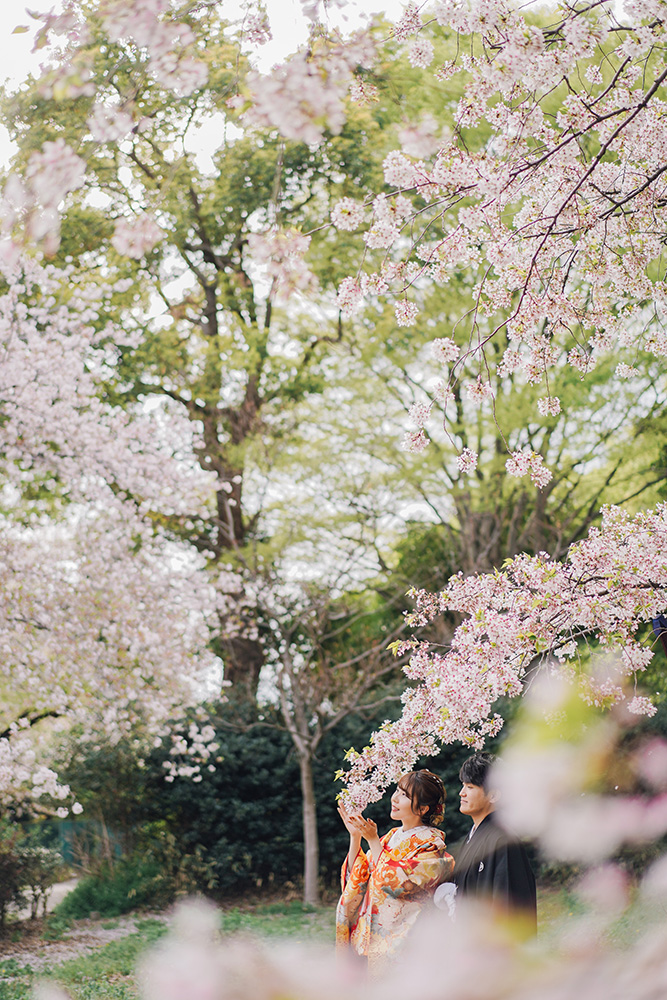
553	771
469	958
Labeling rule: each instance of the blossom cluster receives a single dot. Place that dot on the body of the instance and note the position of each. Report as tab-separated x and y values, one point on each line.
306	95
164	43
282	252
136	237
609	585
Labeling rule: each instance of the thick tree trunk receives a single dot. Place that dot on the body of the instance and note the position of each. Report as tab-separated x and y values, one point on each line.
311	851
243	660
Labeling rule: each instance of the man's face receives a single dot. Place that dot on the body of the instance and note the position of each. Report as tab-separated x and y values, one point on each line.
475	802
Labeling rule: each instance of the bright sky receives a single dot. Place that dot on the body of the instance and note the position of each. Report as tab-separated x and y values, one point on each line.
287	22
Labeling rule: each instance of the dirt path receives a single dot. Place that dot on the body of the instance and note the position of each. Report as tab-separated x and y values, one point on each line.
84	937
87	936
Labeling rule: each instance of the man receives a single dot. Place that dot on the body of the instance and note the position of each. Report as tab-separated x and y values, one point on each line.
492	865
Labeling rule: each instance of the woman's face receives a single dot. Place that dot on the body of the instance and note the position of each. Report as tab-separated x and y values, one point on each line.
401	808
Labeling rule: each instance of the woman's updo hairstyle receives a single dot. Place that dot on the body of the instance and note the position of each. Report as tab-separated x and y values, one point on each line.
427	793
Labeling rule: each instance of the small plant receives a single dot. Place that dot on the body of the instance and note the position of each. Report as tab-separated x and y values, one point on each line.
55	926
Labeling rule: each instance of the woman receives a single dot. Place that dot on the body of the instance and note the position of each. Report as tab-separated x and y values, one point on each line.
384	889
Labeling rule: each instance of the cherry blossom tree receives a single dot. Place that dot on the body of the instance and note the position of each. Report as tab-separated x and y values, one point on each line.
202	258
325	661
104	622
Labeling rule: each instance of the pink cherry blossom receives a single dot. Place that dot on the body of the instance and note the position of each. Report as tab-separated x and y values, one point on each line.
641	706
257	29
406	313
550	406
609	585
136	237
467	461
398	170
362	92
307	93
54	172
409	23
445	349
414	441
518	464
282	252
109	124
421	52
478	391
419	413
349	296
626	371
348	214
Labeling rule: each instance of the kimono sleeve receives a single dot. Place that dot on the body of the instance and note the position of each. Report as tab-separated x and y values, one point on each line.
417	872
354	886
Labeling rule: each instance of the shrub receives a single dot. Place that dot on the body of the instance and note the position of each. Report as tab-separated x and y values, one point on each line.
40	870
27	871
129	885
11	871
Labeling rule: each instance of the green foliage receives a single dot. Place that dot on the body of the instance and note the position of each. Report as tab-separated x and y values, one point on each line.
245	815
40	870
27	871
11	870
181	872
110	785
55	926
130	885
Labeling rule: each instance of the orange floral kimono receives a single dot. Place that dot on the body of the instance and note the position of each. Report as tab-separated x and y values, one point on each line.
380	902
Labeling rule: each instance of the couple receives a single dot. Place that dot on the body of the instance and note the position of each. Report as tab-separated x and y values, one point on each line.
385	888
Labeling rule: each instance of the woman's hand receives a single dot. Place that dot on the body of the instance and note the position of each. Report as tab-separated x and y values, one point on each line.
366	827
358	826
348	819
355	836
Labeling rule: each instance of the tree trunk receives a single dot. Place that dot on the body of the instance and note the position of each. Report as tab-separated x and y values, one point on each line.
311	851
243	660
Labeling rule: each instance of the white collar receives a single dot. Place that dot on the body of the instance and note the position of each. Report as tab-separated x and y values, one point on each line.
400	834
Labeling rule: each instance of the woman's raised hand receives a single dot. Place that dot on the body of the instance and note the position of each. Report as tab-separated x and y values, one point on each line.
358	825
366	827
347	819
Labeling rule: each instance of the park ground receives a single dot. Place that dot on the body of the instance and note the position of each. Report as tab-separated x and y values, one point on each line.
96	959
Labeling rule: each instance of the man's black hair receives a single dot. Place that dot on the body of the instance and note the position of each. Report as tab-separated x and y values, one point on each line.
475	769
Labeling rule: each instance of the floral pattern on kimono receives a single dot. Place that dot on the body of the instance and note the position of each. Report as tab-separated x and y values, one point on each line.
380	902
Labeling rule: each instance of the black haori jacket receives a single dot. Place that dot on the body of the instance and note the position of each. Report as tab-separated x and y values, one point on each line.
493	865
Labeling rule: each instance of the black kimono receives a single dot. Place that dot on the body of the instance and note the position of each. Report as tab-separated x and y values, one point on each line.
493	865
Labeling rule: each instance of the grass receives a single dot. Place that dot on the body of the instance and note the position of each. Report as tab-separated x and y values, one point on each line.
293	920
108	972
556	908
